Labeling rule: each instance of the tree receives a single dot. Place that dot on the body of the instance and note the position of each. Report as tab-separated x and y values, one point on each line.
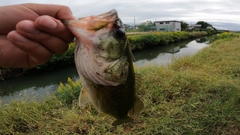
204	25
147	26
184	25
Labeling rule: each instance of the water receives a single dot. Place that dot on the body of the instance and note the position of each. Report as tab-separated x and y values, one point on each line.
39	85
164	55
35	86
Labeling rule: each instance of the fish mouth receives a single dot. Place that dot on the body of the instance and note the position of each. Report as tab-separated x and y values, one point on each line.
94	23
109	19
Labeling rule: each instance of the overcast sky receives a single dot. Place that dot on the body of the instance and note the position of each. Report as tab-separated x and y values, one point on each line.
222	14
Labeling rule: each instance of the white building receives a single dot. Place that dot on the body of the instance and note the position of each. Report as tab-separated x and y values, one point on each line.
168	25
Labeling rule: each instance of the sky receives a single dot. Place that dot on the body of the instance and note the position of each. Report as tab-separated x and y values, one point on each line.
222	14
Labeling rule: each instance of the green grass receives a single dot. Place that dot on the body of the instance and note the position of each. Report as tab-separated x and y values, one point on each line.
197	94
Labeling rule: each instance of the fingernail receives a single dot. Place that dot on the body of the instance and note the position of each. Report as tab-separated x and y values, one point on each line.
48	23
19	38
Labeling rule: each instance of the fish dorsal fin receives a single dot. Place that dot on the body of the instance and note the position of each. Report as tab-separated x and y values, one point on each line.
83	97
137	107
138	80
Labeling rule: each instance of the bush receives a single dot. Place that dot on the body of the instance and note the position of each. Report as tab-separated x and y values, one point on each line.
69	92
224	36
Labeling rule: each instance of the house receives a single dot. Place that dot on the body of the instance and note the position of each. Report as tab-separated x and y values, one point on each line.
168	25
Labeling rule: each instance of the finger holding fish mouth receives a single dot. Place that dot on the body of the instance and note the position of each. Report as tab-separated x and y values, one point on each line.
45	32
54	27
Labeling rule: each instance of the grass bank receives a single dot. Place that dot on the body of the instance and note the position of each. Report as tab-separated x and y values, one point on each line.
145	40
193	95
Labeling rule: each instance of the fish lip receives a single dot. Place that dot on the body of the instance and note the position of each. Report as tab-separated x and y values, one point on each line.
110	17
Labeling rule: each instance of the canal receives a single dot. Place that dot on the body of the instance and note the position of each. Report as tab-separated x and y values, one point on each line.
39	85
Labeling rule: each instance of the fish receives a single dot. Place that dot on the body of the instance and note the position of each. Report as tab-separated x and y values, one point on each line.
104	62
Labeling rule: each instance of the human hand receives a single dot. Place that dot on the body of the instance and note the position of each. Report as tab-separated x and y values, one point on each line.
31	33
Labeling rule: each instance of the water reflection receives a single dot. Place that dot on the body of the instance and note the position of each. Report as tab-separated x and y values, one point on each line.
163	55
151	53
38	85
202	40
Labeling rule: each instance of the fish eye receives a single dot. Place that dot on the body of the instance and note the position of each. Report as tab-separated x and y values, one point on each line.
120	32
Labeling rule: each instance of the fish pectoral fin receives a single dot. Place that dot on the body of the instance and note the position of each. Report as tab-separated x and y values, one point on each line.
83	97
137	107
121	121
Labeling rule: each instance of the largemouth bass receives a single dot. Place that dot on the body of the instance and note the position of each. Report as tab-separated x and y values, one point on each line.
104	63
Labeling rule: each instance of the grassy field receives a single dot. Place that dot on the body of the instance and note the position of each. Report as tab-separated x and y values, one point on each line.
193	95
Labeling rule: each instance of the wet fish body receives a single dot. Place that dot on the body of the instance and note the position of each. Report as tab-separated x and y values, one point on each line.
104	62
